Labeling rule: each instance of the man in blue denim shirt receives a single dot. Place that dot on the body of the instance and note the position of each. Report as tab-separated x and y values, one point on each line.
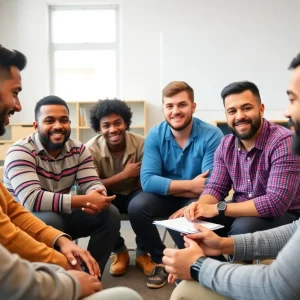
178	156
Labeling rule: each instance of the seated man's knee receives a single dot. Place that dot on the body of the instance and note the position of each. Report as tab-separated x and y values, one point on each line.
244	225
51	218
113	217
138	204
192	290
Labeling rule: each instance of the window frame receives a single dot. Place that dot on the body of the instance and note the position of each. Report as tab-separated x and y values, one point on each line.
53	47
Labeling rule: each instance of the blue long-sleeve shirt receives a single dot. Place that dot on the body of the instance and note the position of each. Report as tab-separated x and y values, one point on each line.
165	161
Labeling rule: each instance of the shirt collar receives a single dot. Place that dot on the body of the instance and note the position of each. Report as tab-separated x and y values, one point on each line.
195	131
129	148
41	148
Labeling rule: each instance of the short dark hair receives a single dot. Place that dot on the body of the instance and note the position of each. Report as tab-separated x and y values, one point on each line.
8	59
49	100
295	62
176	87
240	87
107	107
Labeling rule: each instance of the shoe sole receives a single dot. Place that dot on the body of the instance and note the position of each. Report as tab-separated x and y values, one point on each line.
117	274
138	266
155	286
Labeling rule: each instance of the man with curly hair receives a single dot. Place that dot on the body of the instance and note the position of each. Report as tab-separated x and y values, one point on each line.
117	156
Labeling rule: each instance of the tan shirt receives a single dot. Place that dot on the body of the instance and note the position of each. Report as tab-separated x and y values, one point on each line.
104	162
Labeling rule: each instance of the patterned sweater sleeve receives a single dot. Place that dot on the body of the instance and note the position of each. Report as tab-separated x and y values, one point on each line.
277	281
22	181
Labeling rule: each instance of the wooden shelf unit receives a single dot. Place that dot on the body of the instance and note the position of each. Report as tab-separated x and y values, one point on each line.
80	128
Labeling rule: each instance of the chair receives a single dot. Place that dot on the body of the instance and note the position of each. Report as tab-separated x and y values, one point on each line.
124	217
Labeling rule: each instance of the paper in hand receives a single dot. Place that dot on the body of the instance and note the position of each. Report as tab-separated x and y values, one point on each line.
185	226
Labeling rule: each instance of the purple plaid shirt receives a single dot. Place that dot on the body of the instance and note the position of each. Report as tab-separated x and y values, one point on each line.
269	173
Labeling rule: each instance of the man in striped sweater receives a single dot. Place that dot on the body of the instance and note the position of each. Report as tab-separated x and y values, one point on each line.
40	171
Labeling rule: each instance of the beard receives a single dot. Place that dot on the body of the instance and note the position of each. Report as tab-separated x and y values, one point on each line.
186	124
296	138
254	127
48	144
2	126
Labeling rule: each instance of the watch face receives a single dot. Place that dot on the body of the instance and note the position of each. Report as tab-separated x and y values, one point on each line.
222	205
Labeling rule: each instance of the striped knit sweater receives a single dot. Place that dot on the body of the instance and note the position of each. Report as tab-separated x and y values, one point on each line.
42	183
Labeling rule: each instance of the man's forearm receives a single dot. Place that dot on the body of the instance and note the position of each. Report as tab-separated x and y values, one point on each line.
179	186
227	246
113	180
207	199
245	282
190	195
241	209
78	201
19	278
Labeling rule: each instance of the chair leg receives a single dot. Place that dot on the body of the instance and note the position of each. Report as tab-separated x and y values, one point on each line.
164	235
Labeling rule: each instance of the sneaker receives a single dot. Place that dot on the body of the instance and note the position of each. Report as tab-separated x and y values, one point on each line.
145	263
158	278
119	263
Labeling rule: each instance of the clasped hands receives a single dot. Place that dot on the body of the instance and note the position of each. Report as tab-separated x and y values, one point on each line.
96	201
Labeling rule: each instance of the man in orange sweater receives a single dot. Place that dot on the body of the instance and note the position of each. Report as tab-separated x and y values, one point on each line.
20	231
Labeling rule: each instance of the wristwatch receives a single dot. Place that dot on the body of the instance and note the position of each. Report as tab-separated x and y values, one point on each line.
196	266
221	206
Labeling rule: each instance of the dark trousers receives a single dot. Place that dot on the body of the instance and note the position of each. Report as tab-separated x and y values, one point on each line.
234	226
122	203
143	210
102	228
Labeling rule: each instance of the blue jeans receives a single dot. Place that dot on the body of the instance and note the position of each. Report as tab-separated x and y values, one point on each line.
146	207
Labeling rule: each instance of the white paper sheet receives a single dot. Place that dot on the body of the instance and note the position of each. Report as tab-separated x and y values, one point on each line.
184	226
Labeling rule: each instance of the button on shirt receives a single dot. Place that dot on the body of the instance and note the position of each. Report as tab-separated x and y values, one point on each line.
164	160
269	173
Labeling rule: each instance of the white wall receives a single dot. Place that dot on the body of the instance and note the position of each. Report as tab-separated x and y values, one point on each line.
206	43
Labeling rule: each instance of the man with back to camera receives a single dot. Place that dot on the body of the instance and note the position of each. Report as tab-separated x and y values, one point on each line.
220	281
178	155
41	169
20	278
257	162
117	155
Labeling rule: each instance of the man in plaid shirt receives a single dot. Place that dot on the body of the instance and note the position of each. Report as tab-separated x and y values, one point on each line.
257	162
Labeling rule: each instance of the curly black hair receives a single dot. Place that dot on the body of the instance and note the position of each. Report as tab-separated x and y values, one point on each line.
107	107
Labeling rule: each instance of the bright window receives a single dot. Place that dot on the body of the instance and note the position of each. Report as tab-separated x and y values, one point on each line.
84	46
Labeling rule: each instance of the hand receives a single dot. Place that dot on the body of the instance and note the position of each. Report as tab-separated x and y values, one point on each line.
75	255
197	210
177	214
178	262
131	169
210	243
171	278
96	202
89	284
197	184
